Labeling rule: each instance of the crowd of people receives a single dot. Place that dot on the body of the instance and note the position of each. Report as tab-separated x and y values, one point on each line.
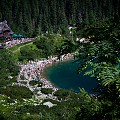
33	71
15	41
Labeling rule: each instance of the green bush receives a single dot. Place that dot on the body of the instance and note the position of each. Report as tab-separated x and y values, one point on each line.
46	90
8	67
36	82
16	92
62	94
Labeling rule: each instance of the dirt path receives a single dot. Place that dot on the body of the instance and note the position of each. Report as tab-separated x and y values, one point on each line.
21	47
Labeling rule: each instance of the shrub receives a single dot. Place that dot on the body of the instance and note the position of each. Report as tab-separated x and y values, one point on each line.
16	92
46	90
36	82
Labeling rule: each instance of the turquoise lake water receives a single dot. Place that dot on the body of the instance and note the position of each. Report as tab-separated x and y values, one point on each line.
64	75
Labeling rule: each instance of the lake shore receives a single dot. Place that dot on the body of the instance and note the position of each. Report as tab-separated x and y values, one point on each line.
68	57
33	71
52	62
65	75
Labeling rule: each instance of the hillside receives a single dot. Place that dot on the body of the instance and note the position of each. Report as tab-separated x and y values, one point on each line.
34	17
88	28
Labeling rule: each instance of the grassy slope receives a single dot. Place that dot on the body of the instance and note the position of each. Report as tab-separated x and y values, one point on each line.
16	49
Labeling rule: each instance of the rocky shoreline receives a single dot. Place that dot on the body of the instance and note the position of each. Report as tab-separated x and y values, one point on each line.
32	71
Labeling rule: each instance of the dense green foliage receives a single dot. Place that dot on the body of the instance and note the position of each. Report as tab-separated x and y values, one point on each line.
8	74
102	56
8	68
16	92
62	94
98	22
65	110
46	90
47	45
32	83
28	52
33	17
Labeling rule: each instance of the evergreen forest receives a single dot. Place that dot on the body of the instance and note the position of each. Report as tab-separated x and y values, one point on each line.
33	17
57	27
